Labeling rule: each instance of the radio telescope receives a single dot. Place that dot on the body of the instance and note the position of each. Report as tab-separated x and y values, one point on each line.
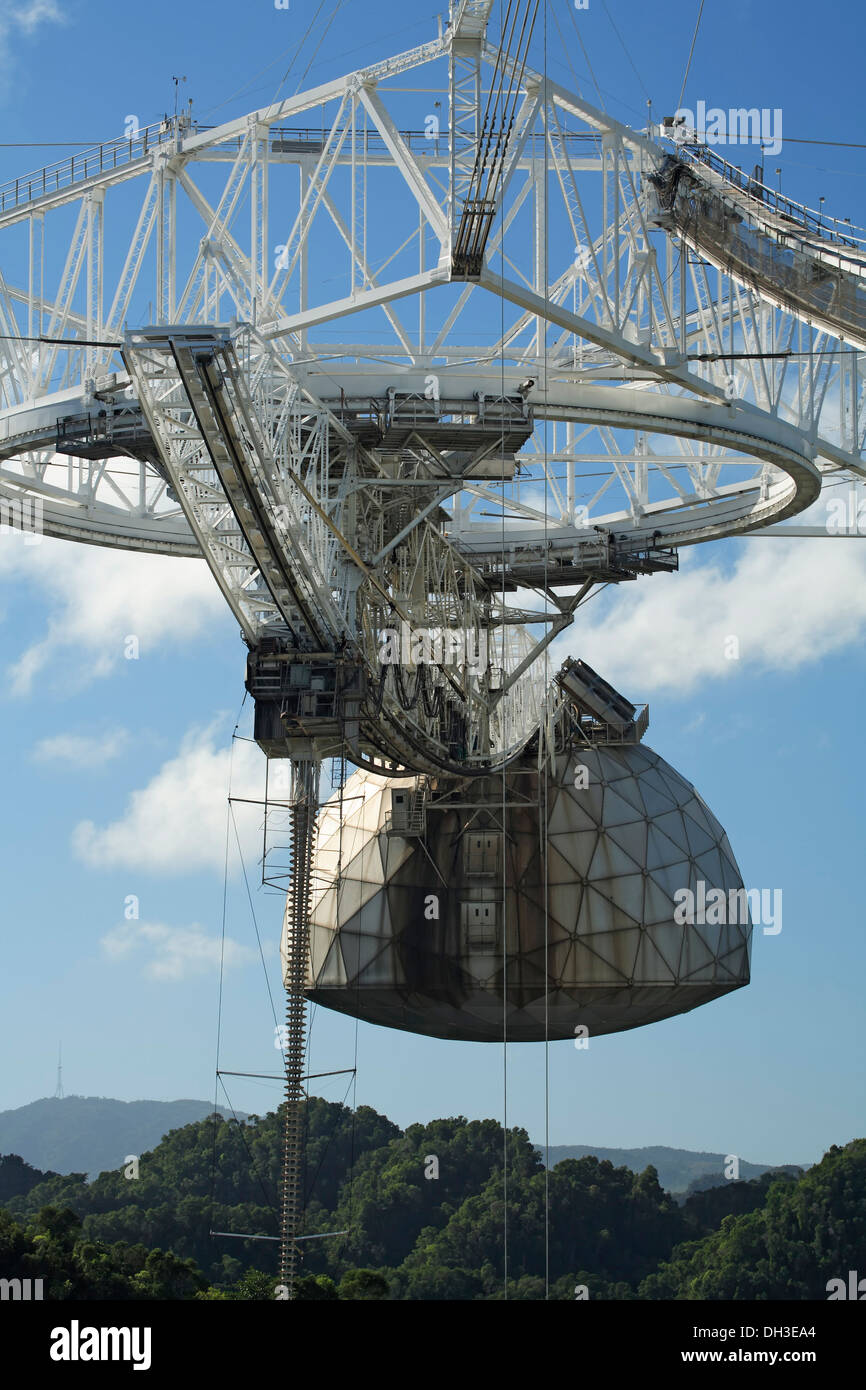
401	376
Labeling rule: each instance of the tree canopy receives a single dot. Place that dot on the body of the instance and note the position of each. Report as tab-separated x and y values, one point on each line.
421	1215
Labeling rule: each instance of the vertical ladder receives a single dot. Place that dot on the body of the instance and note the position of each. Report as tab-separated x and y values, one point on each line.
417	821
305	786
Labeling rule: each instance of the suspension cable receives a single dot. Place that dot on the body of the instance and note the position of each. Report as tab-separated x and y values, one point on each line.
691	53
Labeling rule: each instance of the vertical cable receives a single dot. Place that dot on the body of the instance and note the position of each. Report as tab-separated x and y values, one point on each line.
504	789
222	971
691	53
542	731
339	895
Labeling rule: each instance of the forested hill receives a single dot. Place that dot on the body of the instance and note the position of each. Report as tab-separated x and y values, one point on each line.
678	1169
421	1217
87	1134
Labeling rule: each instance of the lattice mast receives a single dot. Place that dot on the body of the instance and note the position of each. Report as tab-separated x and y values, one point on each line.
304	804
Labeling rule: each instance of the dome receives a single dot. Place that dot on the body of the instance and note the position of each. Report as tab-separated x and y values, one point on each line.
437	912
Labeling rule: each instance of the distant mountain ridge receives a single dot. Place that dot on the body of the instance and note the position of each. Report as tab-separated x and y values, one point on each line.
90	1134
677	1168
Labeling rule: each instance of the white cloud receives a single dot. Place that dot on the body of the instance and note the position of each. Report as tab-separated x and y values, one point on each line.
32	13
788	602
177	823
29	14
175	953
81	750
24	19
98	598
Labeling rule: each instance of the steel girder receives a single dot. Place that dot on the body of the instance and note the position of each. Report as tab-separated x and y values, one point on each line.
614	296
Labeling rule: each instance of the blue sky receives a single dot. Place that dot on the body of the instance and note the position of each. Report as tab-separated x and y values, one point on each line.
116	771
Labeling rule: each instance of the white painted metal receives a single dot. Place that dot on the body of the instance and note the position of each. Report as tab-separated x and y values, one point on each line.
616	300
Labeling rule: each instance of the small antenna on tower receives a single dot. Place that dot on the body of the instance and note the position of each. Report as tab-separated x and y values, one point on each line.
58	1092
177	81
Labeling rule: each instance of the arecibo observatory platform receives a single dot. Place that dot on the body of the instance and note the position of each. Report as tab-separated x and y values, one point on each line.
416	386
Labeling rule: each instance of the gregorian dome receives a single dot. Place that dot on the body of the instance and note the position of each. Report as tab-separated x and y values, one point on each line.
529	905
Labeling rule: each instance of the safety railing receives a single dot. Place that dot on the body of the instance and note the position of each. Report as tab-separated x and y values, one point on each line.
99	159
815	223
123	151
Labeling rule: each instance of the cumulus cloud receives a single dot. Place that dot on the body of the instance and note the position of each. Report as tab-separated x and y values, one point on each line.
174	953
788	603
99	598
177	823
81	750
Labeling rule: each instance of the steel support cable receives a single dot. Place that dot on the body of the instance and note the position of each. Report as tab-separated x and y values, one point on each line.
478	228
334	13
496	78
353	1139
269	1199
298	52
253	913
218	1080
576	29
544	809
340	787
624	49
691	54
249	82
504	840
492	125
309	1187
221	977
488	126
504	134
494	172
492	122
595	135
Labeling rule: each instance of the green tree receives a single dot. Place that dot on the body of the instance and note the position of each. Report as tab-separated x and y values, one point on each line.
807	1233
315	1287
366	1284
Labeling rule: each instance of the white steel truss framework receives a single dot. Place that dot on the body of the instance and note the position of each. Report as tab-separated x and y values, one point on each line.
649	354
